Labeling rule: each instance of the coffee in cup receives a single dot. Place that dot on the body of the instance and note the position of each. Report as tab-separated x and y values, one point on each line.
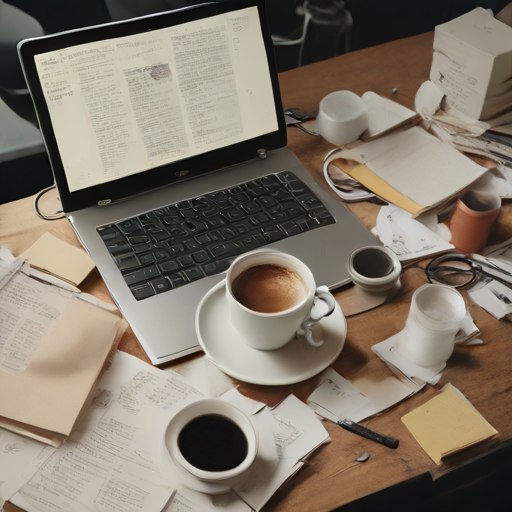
269	288
213	443
272	296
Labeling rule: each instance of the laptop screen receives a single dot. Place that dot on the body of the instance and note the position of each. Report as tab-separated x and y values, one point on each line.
113	108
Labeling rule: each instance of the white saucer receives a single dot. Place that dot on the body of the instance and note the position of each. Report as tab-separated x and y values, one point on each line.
295	362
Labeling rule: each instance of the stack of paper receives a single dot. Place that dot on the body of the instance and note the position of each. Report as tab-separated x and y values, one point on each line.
472	64
412	169
447	424
53	347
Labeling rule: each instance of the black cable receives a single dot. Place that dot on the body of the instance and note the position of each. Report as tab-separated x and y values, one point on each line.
55	216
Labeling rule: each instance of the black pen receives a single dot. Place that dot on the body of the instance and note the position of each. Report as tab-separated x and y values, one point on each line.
355	428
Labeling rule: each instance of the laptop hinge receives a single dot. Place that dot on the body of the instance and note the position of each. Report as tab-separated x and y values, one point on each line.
262	153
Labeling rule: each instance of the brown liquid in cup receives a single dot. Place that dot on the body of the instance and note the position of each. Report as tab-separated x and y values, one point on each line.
269	288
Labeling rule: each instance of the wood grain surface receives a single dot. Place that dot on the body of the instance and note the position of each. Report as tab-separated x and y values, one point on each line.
332	477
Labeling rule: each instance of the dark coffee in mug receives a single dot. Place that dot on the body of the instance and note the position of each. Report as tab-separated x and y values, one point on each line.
213	443
372	263
269	288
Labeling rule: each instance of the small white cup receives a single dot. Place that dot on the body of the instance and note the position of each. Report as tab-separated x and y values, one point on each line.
435	317
342	117
212	406
375	269
270	331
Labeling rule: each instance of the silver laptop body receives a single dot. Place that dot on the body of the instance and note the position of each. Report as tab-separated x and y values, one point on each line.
165	323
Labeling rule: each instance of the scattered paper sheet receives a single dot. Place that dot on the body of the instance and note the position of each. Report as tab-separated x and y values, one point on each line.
29	310
447	424
297	433
387	351
340	398
428	99
206	376
495	298
379	395
53	255
409	238
16	453
385	115
120	437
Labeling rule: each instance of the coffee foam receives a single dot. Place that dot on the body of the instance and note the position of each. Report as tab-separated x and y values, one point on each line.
269	288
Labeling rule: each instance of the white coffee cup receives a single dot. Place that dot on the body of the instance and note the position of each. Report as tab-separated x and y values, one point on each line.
342	117
435	318
216	407
375	268
270	331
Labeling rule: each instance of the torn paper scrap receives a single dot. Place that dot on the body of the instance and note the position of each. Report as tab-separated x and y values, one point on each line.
409	238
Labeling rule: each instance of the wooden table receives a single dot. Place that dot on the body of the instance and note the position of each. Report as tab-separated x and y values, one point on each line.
333	478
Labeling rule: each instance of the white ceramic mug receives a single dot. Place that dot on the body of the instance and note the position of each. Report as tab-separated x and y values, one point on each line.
342	117
435	318
212	406
270	331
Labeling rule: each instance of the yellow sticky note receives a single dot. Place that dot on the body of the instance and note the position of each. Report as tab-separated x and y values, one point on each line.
447	424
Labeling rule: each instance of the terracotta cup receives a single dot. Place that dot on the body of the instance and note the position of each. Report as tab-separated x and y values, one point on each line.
472	220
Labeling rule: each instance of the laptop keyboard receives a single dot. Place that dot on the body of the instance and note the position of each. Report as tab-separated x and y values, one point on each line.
172	246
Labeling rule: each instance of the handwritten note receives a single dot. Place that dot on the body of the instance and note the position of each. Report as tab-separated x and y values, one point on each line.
29	310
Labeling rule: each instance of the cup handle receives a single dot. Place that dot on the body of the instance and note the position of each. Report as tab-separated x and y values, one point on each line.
317	313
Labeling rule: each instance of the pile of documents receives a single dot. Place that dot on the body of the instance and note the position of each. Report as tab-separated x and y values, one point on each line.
122	437
54	343
472	64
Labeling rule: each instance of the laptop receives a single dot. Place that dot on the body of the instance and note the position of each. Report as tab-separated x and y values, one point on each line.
167	140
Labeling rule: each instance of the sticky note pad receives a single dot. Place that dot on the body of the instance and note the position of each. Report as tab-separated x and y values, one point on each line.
447	424
54	256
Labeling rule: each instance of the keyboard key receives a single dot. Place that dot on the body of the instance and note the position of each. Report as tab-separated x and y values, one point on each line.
127	261
129	226
195	226
183	205
147	258
119	248
193	273
141	239
215	221
178	232
191	245
141	275
233	214
185	261
142	291
273	235
174	248
168	266
159	235
216	235
267	201
111	236
251	207
161	284
259	218
177	280
203	239
141	248
134	277
161	255
239	199
189	213
200	256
